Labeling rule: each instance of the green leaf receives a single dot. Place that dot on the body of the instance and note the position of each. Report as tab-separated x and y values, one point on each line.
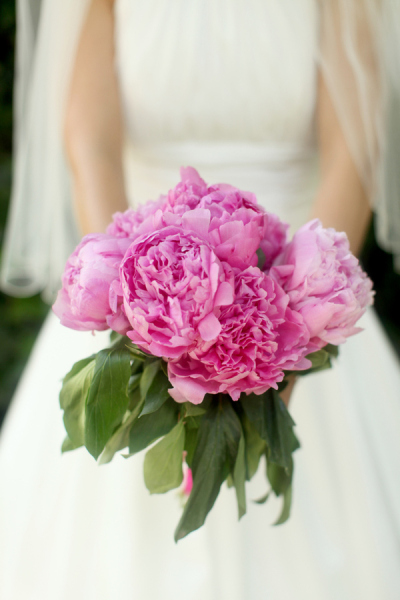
163	463
149	372
120	439
255	447
107	400
134	382
263	499
68	446
193	410
318	359
148	428
76	369
279	425
332	350
157	392
239	478
321	360
136	365
137	355
115	337
193	422
287	503
73	397
214	458
208	468
255	409
295	444
134	400
190	444
279	478
124	343
164	367
269	415
232	431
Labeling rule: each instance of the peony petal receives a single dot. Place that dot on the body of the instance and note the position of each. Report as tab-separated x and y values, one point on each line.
197	220
209	328
302	364
317	316
187	390
177	395
190	175
231	229
224	295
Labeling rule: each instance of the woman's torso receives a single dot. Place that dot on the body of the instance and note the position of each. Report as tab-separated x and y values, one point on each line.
227	86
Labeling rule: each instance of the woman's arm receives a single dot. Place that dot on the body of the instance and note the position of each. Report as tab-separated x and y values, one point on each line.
341	201
93	123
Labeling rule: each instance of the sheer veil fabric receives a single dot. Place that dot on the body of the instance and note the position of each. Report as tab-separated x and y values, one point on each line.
41	228
360	60
71	529
388	204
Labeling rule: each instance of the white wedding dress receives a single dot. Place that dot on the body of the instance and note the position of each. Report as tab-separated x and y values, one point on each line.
228	87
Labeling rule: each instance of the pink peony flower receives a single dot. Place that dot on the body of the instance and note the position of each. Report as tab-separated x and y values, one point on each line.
187	194
247	221
127	224
325	283
174	287
260	337
83	303
236	225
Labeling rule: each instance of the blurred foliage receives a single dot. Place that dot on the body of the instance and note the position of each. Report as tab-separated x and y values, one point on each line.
20	318
7	35
379	266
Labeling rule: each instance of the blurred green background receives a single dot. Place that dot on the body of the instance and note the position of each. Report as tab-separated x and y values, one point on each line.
21	319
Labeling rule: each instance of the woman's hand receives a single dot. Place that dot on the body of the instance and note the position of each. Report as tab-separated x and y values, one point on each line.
285	395
93	123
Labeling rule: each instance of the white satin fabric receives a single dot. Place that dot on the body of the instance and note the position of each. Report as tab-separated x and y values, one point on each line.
227	87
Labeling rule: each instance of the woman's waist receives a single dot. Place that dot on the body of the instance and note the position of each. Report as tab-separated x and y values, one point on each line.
282	175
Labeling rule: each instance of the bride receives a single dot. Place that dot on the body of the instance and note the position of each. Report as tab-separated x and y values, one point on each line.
278	97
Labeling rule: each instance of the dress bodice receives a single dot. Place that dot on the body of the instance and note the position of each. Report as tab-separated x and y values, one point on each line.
227	86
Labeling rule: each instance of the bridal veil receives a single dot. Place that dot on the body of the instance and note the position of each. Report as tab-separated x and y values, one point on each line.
358	54
41	230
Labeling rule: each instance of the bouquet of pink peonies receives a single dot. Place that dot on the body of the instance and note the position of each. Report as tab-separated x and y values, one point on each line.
211	310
